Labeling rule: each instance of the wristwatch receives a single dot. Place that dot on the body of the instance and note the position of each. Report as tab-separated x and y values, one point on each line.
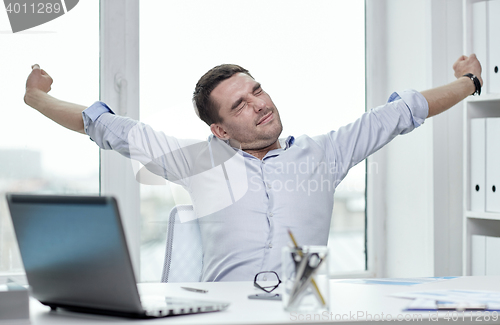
477	84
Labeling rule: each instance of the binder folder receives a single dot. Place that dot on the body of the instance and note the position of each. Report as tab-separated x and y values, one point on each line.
477	164
494	45
492	255
478	255
480	38
493	164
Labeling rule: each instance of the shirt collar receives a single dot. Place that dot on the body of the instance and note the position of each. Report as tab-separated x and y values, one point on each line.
288	142
284	144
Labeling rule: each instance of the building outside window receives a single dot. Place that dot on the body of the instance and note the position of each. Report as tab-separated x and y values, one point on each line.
313	70
299	51
37	155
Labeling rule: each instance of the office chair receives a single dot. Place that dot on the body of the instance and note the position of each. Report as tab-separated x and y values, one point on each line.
184	252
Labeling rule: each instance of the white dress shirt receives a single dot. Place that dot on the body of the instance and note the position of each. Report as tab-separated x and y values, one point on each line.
245	205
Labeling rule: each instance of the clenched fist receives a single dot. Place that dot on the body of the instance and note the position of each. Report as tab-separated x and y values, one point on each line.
466	65
38	80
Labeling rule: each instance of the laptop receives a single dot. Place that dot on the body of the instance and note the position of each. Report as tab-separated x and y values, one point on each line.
76	258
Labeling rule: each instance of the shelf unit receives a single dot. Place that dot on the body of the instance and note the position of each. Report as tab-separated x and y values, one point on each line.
486	105
476	222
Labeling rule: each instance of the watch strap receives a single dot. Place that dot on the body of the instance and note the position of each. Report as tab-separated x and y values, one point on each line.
477	84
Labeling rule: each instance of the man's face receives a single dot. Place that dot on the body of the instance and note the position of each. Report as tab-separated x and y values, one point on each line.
248	113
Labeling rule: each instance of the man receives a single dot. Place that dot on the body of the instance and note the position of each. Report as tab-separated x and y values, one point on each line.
247	185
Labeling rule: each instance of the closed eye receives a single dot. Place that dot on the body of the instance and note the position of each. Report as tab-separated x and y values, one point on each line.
257	89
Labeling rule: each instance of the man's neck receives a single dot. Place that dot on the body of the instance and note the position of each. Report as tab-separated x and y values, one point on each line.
260	153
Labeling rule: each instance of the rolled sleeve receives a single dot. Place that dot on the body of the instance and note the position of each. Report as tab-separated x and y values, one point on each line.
92	113
354	142
416	104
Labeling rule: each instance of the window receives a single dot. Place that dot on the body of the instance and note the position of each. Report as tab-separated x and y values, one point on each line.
300	51
36	155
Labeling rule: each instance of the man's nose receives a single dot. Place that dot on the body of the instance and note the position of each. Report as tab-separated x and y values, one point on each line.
259	104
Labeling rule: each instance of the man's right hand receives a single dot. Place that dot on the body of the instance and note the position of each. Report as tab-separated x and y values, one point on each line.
64	113
38	80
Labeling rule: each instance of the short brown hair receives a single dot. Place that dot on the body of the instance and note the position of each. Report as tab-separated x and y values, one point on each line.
205	108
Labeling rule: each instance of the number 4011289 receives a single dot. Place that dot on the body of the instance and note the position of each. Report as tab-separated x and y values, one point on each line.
39	8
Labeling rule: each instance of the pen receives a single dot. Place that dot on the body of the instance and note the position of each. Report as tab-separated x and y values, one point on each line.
460	306
313	282
195	290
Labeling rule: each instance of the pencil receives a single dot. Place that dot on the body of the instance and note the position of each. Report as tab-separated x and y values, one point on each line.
313	282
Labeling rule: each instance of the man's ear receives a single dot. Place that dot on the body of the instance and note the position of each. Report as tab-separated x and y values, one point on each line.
219	131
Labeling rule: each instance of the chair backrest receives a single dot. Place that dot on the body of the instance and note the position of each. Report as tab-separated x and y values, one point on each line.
184	252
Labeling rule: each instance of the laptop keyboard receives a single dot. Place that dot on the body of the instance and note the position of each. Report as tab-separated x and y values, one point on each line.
166	306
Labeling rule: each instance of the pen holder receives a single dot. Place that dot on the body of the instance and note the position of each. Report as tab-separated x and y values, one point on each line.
306	279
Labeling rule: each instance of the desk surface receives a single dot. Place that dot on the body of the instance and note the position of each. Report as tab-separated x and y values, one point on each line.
350	303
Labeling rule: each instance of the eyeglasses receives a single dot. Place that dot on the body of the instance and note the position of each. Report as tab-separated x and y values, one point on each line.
267	281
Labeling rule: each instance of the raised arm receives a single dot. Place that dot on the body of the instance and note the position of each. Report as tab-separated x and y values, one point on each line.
64	113
442	98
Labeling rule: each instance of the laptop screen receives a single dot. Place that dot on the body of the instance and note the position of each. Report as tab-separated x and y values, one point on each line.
74	251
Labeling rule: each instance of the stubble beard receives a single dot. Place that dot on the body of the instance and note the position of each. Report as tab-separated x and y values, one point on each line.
265	140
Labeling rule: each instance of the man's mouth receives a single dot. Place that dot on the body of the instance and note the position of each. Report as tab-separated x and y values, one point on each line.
266	118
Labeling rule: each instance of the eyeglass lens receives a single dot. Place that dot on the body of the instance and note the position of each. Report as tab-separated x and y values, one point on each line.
267	280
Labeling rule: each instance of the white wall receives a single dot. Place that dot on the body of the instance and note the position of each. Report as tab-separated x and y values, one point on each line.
420	225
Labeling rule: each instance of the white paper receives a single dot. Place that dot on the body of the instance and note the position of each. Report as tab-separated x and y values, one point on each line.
427	304
480	296
397	281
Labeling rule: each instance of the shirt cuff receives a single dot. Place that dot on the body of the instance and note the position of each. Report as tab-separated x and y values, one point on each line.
416	104
92	113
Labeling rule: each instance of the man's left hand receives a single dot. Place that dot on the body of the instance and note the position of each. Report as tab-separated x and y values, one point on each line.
466	65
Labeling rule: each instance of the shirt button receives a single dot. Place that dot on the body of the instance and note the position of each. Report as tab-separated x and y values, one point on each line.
269	185
271	214
270	246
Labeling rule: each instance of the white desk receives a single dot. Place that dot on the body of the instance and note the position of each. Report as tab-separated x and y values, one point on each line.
347	300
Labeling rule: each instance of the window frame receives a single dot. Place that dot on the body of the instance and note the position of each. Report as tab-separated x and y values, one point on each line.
119	88
119	72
